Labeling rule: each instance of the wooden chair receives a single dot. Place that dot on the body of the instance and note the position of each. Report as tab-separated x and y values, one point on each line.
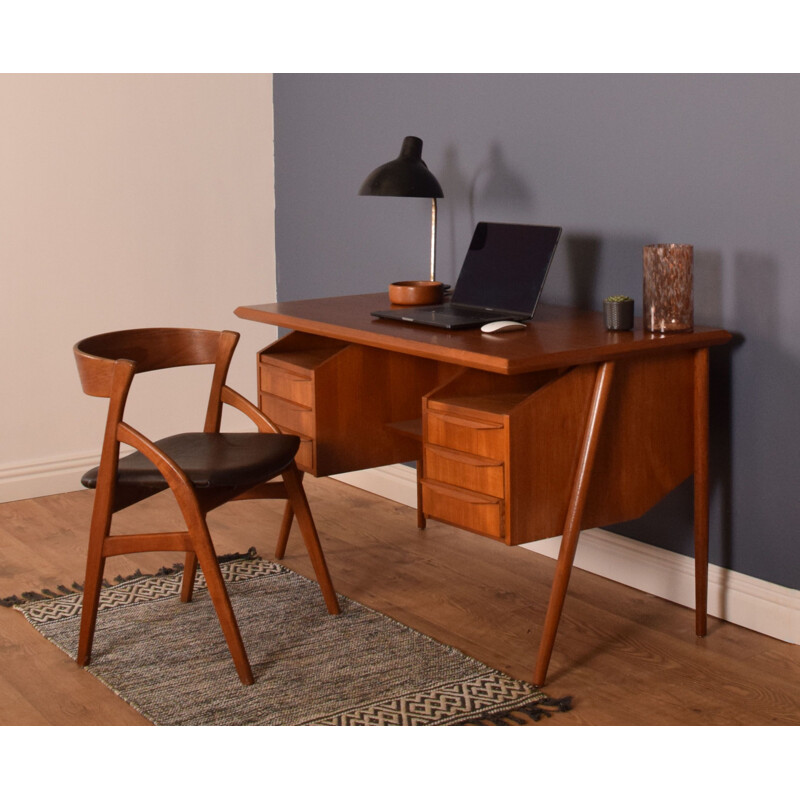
203	470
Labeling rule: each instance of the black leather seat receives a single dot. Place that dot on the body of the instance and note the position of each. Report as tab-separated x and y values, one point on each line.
210	460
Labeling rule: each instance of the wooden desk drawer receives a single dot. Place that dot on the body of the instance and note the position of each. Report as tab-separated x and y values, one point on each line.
288	415
288	385
469	435
477	473
470	510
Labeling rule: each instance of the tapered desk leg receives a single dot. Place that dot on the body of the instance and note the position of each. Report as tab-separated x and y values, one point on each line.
701	490
569	540
420	512
286	525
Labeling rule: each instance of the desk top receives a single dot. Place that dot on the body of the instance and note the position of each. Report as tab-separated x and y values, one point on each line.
556	337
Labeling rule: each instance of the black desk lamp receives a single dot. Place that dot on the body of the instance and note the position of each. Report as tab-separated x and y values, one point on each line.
407	176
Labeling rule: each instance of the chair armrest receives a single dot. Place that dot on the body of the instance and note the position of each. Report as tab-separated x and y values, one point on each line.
241	403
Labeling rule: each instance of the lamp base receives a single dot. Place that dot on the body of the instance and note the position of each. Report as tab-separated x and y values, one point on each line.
416	293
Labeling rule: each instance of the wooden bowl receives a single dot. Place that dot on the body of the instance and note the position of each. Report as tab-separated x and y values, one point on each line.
416	293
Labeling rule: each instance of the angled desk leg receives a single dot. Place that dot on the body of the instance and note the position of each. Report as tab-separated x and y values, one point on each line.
420	513
569	541
286	525
701	489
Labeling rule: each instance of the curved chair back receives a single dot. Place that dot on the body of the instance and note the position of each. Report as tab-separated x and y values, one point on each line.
148	349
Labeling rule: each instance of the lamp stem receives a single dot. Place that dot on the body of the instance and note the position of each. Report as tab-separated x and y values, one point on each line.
433	239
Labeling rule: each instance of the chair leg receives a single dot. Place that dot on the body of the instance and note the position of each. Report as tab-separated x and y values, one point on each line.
95	565
286	526
299	502
219	597
189	573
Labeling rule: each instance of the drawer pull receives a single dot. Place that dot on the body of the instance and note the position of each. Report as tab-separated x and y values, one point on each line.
464	458
465	471
468	510
294	403
290	386
486	438
473	498
466	422
288	414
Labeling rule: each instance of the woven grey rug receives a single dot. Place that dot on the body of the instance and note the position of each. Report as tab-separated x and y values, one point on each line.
169	659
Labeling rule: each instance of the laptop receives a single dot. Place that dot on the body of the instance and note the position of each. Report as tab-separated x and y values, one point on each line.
501	278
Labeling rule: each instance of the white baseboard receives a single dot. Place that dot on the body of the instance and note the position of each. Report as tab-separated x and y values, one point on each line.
43	476
752	603
395	482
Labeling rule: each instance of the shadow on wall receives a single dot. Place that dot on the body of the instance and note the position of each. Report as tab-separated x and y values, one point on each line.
588	268
493	192
454	184
495	185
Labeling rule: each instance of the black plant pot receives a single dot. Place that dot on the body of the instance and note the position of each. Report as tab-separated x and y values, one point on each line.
618	314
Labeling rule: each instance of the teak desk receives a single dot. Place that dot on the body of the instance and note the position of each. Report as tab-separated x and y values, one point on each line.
517	436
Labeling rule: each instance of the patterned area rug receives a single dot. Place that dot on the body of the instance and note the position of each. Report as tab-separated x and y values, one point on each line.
169	659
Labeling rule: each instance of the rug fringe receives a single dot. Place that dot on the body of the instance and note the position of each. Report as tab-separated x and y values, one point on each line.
534	711
61	590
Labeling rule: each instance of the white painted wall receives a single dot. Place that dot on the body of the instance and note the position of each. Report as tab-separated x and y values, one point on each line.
125	201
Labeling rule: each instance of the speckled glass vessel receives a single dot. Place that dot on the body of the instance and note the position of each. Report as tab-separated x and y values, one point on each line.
667	298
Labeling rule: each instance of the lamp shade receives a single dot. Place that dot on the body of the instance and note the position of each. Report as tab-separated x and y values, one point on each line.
406	176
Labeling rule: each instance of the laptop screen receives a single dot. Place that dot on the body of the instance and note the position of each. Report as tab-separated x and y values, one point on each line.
506	266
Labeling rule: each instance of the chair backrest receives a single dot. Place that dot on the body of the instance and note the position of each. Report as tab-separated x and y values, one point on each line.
148	348
107	362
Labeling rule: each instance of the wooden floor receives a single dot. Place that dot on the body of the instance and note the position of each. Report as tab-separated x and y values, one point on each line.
626	658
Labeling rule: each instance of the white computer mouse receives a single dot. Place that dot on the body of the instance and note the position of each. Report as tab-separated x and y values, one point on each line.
501	326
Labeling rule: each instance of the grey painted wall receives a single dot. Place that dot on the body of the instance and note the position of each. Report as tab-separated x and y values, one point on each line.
618	161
